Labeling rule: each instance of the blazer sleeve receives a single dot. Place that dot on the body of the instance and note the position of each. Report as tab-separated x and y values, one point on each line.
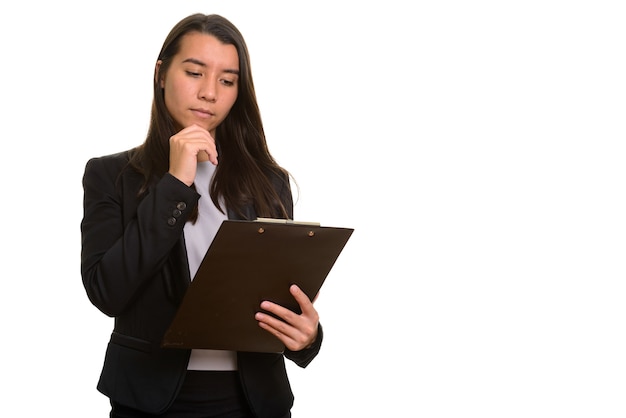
122	250
303	357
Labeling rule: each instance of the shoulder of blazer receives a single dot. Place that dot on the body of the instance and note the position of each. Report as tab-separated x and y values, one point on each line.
123	181
110	167
114	162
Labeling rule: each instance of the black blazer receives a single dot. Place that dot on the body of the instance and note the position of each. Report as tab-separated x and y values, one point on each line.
134	268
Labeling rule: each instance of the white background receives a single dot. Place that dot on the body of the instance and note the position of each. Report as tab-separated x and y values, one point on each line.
477	148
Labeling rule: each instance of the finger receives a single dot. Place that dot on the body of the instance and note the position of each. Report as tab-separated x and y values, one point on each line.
206	142
195	142
287	340
290	323
303	300
285	315
292	337
276	326
274	323
212	155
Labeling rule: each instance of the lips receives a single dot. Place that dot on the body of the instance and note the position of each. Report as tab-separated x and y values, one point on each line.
202	113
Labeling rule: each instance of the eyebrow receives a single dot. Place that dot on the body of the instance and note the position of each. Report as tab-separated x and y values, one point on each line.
202	64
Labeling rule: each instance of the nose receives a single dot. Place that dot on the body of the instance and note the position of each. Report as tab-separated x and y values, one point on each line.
208	91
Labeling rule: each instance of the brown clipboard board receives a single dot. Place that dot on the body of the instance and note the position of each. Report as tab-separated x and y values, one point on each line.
248	262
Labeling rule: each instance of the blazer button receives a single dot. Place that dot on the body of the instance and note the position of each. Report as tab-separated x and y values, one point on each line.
171	221
181	206
176	213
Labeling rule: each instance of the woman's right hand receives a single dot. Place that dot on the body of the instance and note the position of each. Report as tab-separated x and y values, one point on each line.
187	147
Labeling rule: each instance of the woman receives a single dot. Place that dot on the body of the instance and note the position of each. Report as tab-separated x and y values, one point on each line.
150	214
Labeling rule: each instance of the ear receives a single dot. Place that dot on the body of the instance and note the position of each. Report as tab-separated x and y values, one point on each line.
158	78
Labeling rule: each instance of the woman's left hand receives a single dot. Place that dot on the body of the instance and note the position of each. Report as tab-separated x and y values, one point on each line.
295	331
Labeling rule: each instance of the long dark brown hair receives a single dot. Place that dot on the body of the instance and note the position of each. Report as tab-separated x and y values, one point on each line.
246	167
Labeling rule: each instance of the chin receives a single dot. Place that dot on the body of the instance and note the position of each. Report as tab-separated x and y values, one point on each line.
204	125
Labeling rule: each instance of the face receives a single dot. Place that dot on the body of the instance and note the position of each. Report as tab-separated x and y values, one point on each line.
200	86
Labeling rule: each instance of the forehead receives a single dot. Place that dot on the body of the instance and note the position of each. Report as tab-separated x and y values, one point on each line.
207	49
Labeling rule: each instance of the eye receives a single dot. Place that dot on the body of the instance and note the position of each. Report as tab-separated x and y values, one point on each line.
193	74
228	82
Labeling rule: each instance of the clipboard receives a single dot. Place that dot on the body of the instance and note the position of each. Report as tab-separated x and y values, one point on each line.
248	262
